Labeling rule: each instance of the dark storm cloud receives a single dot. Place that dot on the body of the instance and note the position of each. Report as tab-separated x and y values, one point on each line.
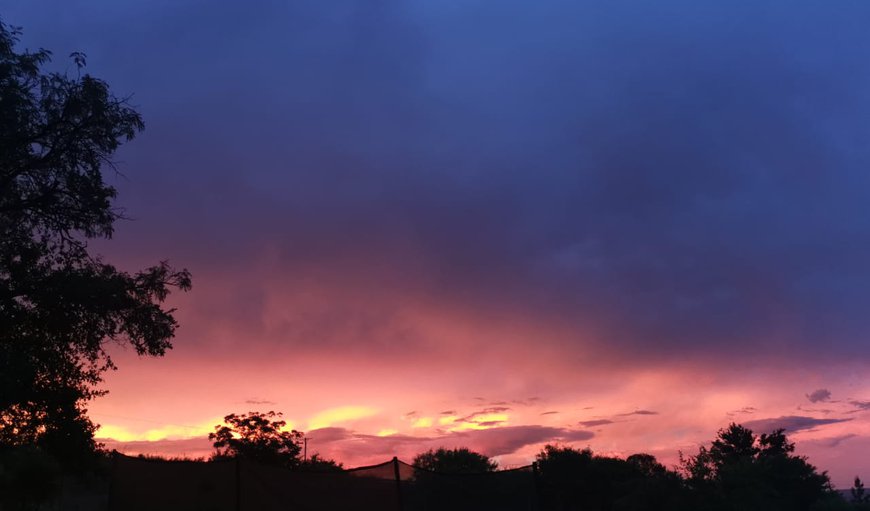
790	423
670	177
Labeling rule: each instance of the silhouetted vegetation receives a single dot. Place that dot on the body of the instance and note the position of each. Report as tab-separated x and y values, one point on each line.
454	461
743	471
461	479
738	471
317	463
158	457
28	477
578	479
860	498
59	303
262	437
257	436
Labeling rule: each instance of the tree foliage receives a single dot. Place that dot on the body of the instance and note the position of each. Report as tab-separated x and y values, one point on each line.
741	470
317	463
578	479
454	461
857	491
260	437
28	477
59	304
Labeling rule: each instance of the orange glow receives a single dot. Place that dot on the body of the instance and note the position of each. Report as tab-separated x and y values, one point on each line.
340	415
423	422
484	421
126	434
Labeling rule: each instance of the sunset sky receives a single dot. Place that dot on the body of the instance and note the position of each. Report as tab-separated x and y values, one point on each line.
415	223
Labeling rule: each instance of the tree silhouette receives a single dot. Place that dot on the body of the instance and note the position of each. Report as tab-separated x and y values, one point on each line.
743	471
859	496
572	479
561	464
646	464
317	463
257	436
28	478
59	303
452	479
735	444
454	461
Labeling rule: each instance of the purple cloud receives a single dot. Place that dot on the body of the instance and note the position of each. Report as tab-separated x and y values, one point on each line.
832	442
819	395
330	434
489	424
677	179
187	447
506	440
790	423
495	441
595	422
485	411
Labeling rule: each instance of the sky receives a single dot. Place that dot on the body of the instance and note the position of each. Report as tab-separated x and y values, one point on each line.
422	223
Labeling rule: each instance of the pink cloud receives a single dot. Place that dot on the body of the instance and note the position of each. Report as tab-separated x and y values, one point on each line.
354	448
188	447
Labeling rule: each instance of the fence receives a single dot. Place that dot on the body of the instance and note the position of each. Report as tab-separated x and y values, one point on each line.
240	485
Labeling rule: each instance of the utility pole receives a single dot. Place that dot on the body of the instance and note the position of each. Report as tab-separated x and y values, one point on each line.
304	448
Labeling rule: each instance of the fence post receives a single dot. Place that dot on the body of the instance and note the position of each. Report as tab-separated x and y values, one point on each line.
398	482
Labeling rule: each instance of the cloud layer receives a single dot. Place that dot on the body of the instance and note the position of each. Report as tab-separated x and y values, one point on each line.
345	444
790	423
692	184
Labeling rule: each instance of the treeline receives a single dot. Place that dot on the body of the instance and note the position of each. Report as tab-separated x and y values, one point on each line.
737	471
